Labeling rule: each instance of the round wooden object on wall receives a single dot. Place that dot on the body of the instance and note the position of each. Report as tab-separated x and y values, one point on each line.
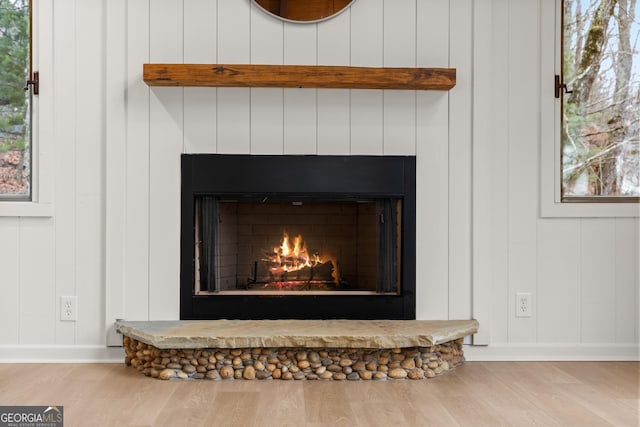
303	10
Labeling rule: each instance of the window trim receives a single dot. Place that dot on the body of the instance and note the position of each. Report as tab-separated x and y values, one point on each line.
41	203
551	204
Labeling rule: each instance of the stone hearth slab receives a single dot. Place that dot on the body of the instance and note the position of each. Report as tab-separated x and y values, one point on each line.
369	334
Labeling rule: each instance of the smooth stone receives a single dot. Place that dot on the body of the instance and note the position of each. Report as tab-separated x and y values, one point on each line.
326	375
212	375
408	364
167	374
303	364
358	366
353	376
379	376
397	373
346	362
277	373
188	369
366	375
226	372
416	374
339	376
249	373
263	375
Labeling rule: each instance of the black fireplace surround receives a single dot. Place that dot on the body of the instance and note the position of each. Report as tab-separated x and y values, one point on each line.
349	178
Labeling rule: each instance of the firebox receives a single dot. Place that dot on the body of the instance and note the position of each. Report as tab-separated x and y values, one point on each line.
297	237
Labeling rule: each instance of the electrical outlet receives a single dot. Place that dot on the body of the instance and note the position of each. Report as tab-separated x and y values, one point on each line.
69	308
523	304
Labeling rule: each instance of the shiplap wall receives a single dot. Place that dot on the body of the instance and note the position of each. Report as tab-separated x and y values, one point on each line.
113	239
165	122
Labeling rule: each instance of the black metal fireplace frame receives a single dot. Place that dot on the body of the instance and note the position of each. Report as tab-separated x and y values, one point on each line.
332	177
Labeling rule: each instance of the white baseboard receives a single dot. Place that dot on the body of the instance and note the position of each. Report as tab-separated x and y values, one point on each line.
552	352
60	354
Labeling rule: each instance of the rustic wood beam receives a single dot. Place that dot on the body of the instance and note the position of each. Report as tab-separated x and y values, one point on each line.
299	76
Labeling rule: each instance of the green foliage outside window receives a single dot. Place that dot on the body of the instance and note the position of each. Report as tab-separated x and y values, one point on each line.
14	101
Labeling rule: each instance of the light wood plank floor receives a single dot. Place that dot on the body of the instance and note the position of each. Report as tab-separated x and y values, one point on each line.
475	394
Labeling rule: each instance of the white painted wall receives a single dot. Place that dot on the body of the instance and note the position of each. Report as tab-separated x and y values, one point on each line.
113	238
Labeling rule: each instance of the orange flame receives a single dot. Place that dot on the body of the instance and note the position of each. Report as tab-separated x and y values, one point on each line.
294	256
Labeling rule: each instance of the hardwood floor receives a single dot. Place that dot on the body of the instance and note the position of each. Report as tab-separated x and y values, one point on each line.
475	394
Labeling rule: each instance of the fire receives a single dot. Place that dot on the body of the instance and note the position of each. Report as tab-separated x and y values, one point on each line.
293	257
291	266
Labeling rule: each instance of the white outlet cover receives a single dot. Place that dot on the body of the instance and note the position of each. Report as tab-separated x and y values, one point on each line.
69	308
524	300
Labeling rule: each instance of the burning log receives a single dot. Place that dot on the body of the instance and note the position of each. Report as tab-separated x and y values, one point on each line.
269	272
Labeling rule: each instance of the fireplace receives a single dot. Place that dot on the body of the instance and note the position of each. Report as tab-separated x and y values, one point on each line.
297	237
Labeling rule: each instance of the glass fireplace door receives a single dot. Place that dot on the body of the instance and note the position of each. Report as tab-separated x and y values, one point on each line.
297	246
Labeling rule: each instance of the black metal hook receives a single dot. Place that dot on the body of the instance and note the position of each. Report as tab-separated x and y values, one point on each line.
559	86
35	82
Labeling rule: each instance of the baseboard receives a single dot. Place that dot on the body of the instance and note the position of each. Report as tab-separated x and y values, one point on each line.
552	352
60	354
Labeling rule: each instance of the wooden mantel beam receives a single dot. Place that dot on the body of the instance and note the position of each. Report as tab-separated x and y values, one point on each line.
299	76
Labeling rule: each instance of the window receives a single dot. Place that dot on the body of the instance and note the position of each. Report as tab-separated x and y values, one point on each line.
577	174
15	101
31	176
601	104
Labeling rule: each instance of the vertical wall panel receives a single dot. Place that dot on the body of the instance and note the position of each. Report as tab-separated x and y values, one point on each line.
65	162
627	269
523	172
234	47
137	158
267	35
200	46
37	300
90	152
10	280
598	276
367	20
366	112
366	51
166	124
334	104
115	165
399	51
460	151
500	172
432	142
300	105
482	137
399	29
399	123
556	306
